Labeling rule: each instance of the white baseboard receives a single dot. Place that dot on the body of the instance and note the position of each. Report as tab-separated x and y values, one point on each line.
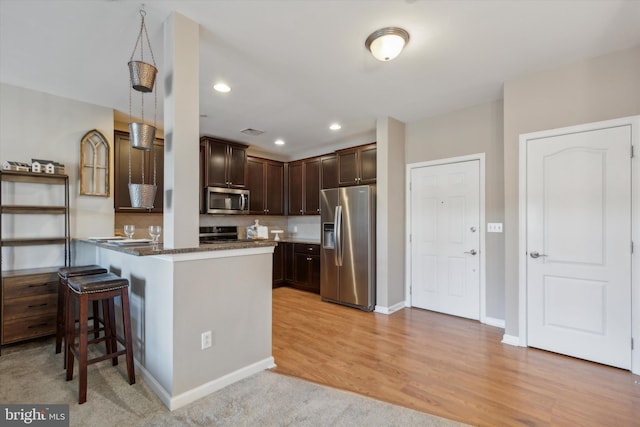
491	321
511	340
389	310
153	384
203	390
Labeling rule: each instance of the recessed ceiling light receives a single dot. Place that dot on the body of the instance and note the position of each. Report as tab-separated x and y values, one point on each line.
222	87
335	126
279	142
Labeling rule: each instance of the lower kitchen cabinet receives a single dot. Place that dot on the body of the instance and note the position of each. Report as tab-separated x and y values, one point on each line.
29	304
301	266
278	265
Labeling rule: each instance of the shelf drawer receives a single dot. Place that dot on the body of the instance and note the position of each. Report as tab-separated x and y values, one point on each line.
29	285
18	308
304	248
28	327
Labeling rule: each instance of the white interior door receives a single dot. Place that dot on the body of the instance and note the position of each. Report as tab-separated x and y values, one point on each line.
579	244
445	238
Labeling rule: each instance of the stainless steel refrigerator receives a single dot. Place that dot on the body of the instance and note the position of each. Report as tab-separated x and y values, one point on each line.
347	253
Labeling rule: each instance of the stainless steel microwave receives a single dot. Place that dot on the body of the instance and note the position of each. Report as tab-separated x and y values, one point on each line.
219	200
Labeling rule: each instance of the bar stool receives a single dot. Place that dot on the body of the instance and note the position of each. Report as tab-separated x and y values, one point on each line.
98	287
63	275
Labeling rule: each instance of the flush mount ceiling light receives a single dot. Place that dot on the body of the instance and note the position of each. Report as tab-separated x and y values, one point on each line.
387	43
335	126
279	142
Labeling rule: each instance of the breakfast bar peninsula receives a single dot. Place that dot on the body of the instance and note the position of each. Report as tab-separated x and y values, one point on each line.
184	299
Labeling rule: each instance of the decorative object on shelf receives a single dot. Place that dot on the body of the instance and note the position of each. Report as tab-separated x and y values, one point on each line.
142	79
15	166
94	165
277	233
387	43
47	166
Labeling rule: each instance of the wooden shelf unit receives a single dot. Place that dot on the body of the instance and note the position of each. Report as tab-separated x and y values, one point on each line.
28	297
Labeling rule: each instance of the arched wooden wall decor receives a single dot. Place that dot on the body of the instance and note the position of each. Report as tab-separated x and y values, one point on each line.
94	165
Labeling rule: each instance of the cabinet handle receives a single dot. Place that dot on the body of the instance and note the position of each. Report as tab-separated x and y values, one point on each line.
37	305
309	249
38	286
309	259
39	325
301	211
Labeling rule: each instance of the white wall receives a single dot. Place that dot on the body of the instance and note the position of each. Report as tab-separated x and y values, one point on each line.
38	125
472	130
601	88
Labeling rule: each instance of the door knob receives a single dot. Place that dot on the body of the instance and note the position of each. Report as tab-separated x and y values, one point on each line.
535	254
472	252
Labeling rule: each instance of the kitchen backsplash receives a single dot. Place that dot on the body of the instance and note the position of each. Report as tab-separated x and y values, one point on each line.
301	227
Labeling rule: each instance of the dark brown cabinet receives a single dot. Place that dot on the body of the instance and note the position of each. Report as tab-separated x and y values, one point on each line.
328	172
226	163
278	265
306	267
288	262
304	187
297	265
122	201
29	304
266	185
357	165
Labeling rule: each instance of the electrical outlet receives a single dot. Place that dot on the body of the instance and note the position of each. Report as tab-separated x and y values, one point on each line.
494	227
206	340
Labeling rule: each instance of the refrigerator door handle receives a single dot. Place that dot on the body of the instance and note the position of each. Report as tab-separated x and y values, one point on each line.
338	235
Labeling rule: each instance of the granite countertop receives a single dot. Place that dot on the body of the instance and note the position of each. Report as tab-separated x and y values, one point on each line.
307	240
150	249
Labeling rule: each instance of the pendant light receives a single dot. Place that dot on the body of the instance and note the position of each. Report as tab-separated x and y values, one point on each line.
142	79
387	43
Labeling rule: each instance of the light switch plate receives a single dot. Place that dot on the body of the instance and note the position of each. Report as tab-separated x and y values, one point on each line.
494	227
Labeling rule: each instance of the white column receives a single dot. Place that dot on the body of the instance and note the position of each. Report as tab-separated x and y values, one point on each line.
390	214
181	132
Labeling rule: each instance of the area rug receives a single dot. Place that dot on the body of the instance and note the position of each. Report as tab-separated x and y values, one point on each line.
34	375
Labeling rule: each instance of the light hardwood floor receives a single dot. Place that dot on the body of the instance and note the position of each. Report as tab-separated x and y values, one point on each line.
446	366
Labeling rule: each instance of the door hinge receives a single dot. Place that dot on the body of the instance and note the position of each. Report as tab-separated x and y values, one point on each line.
632	246
632	343
409	237
632	152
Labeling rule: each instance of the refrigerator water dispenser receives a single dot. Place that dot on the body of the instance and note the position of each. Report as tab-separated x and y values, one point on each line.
328	236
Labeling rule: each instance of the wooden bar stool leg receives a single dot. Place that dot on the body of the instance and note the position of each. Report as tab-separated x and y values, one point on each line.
126	323
107	326
96	319
82	350
70	336
60	316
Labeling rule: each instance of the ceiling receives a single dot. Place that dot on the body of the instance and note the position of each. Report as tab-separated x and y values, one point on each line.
296	66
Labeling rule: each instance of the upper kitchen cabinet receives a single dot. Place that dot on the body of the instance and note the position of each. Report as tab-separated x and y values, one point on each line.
226	163
328	171
122	201
304	187
266	186
357	165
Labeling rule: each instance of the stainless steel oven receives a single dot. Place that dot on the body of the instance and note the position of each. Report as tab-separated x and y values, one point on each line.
218	200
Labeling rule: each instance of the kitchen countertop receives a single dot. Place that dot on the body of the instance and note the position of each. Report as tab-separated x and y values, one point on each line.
306	240
150	249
